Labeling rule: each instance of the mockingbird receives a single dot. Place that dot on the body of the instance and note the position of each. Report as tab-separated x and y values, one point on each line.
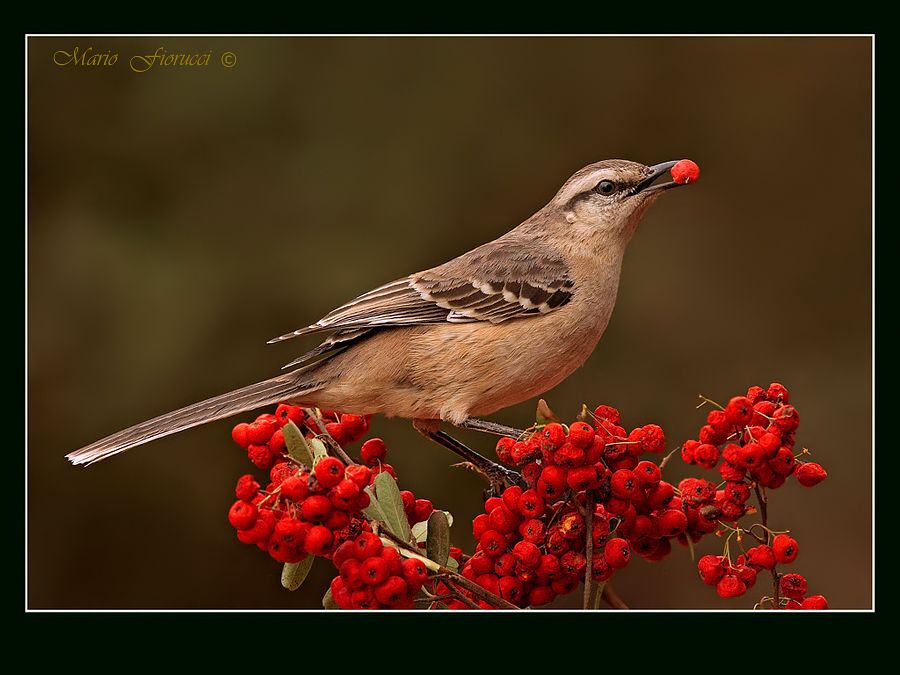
496	326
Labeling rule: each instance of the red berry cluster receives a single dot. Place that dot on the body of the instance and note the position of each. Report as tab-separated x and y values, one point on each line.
757	432
309	511
374	576
753	436
532	543
263	438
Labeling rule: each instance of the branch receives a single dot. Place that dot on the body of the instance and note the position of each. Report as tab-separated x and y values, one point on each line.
764	514
329	439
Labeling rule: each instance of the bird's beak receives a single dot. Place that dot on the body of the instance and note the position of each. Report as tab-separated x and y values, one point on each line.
656	171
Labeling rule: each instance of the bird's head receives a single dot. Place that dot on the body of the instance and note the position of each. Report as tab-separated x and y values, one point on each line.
607	199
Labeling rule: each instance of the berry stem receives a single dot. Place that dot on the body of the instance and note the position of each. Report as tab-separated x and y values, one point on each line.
704	401
588	548
665	459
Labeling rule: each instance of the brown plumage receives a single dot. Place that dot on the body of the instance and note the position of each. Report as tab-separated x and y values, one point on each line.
497	325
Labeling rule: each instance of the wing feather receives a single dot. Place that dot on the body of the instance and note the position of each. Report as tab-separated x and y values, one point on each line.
502	280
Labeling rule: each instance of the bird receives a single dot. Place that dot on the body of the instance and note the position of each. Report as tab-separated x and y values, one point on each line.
498	325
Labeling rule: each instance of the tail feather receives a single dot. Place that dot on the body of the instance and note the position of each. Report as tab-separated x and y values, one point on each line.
216	408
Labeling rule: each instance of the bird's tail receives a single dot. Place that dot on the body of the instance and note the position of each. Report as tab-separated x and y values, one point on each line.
241	400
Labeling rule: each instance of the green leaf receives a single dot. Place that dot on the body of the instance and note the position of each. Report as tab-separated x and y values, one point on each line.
296	444
437	546
452	565
328	601
596	595
294	574
318	448
390	505
420	530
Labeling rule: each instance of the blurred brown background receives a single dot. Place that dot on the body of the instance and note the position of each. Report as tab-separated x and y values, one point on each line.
181	217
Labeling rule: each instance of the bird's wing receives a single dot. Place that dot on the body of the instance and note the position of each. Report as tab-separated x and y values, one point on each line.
501	280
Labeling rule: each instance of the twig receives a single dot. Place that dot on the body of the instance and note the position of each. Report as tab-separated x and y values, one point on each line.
665	460
764	514
609	594
329	439
588	550
462	597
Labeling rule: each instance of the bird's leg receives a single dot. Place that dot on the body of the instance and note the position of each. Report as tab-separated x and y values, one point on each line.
491	428
499	476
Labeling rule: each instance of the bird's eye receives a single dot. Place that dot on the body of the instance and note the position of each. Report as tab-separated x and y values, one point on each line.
605	187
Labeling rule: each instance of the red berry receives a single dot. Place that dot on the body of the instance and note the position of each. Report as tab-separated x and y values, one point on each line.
617	553
414	573
540	595
285	413
422	510
814	602
651	438
503	449
364	599
569	456
552	482
367	545
739	411
261	456
706	455
359	474
527	553
607	413
374	571
503	520
329	471
730	586
660	495
751	456
242	515
277	444
778	393
239	434
761	556
354	426
260	530
624	484
687	451
283	470
583	478
260	431
553	436
373	451
785	549
711	569
581	434
532	530
295	487
392	592
670	523
505	565
793	586
246	488
786	418
647	473
318	540
810	474
511	589
685	171
783	463
492	543
315	508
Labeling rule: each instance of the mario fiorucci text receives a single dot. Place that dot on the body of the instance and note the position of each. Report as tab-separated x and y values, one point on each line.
139	63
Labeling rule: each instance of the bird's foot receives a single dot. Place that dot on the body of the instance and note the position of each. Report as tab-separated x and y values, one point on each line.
496	474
